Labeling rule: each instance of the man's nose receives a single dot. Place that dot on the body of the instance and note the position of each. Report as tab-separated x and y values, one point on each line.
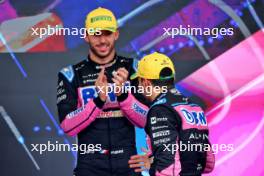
102	39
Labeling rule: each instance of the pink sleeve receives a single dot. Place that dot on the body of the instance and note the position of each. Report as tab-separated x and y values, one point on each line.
210	162
135	111
79	119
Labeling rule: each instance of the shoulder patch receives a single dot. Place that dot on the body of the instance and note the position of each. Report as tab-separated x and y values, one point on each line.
68	73
161	101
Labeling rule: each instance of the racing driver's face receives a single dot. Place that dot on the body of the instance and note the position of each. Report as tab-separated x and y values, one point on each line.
102	45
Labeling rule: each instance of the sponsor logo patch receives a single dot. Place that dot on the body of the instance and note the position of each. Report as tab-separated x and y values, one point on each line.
68	73
194	117
161	133
139	109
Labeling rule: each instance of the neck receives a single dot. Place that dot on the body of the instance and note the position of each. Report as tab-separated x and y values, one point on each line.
102	60
154	95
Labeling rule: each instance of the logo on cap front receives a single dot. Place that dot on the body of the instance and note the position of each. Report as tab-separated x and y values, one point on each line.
164	62
101	18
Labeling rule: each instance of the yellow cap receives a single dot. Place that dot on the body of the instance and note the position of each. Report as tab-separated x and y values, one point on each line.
101	18
150	66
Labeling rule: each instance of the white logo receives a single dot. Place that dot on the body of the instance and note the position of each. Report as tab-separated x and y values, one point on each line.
159	127
153	120
161	133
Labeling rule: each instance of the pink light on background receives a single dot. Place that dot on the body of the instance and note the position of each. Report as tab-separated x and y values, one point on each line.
237	66
243	127
240	72
9	11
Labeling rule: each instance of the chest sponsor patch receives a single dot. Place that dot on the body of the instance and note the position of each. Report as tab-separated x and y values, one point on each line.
192	116
89	92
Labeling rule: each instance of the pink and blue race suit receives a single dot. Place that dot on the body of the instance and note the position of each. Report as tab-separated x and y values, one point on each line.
178	137
110	125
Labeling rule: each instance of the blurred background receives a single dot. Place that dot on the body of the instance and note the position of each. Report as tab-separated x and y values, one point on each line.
225	74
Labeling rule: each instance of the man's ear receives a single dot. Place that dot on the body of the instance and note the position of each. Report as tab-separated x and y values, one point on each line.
116	33
146	83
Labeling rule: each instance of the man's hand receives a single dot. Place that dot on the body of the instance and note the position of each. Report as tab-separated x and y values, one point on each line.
101	85
140	162
119	78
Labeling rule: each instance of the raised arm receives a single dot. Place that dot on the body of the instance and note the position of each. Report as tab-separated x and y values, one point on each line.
74	119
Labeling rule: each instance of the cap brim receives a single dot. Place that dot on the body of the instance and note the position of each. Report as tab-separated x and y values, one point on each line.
102	29
133	76
108	29
166	77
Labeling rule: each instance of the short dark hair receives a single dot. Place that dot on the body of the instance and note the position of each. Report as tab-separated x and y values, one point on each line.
165	72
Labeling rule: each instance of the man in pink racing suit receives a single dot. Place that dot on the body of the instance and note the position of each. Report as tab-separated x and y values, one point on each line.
99	117
177	128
